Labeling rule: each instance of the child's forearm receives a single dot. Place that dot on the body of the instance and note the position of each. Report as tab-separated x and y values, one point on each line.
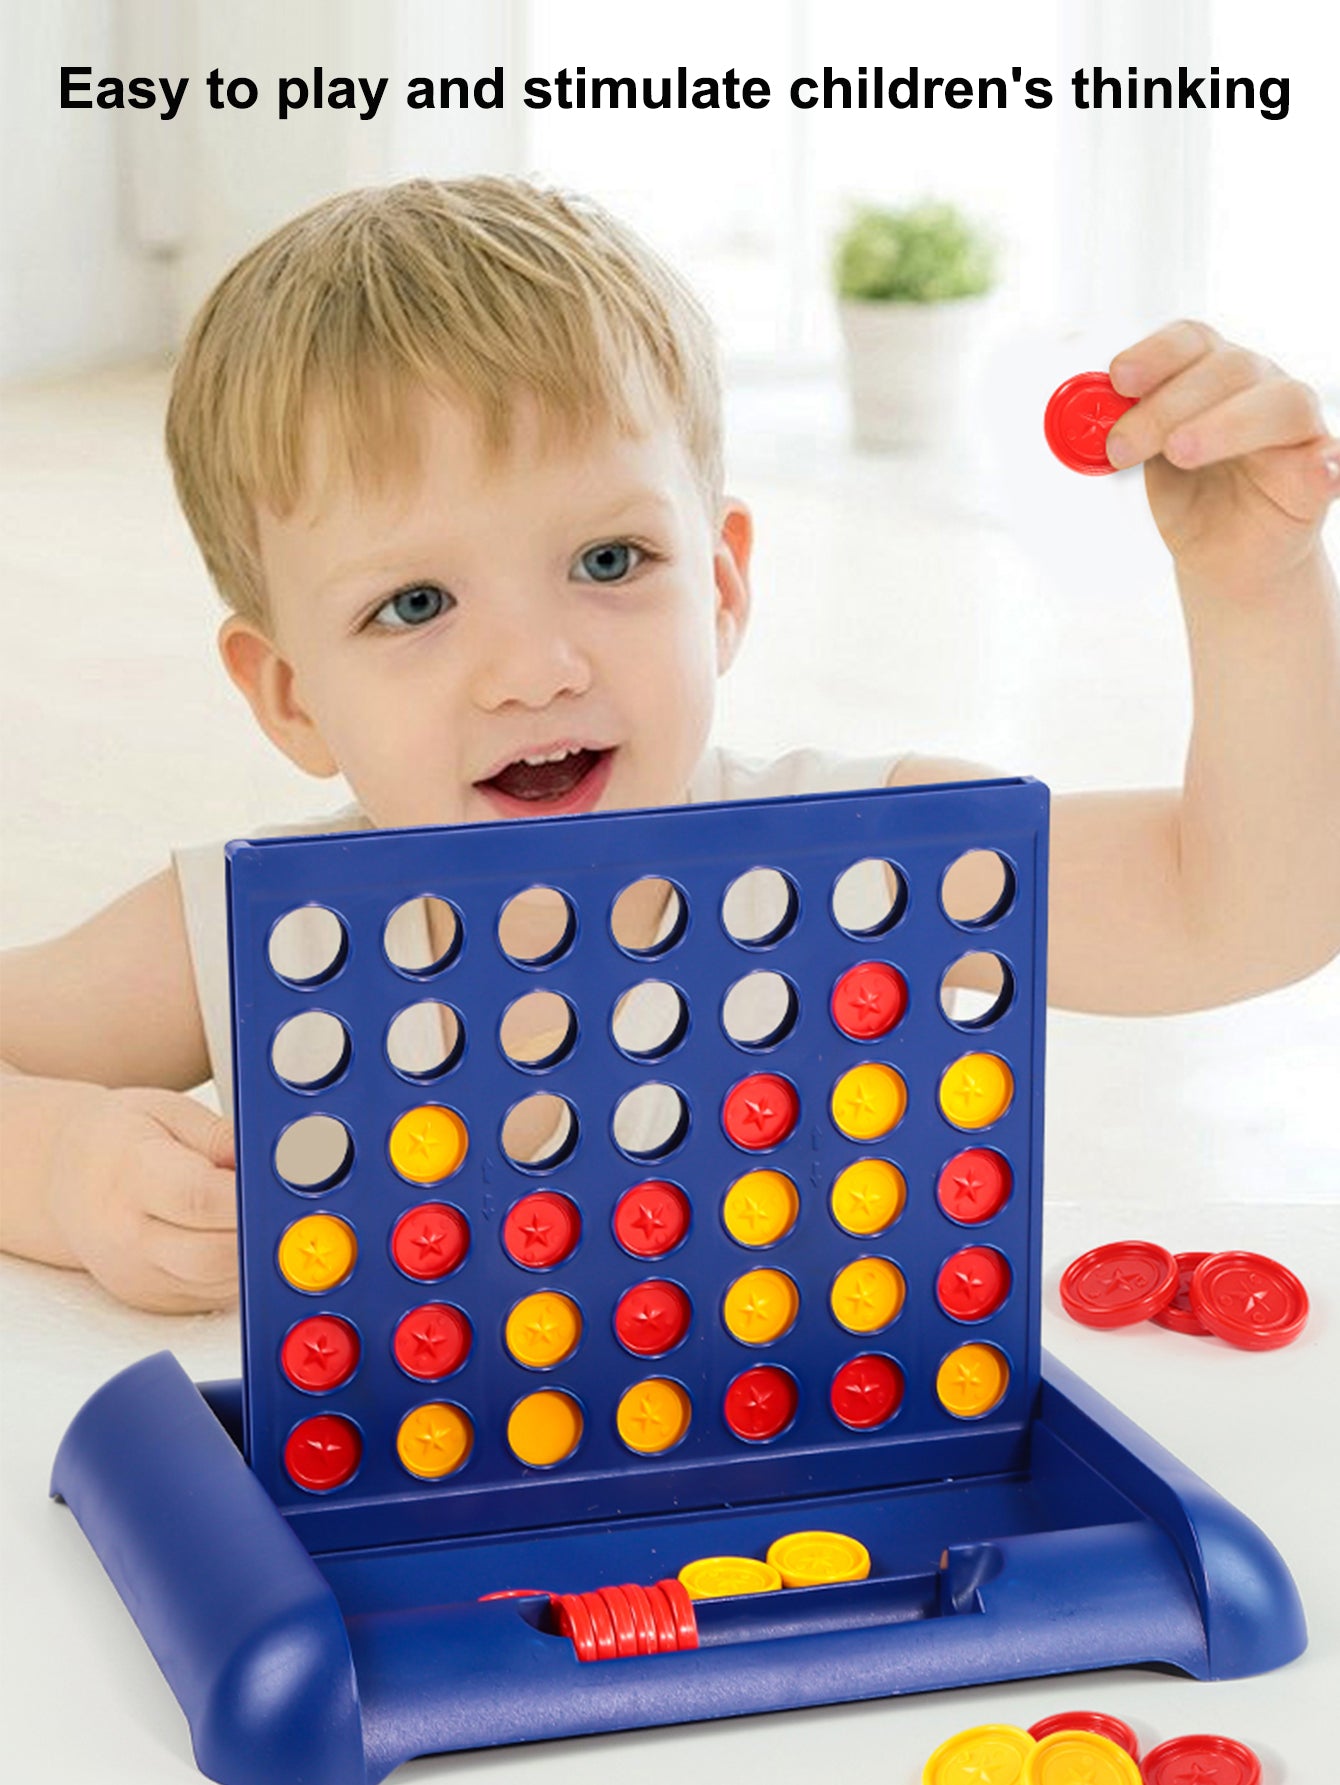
35	1114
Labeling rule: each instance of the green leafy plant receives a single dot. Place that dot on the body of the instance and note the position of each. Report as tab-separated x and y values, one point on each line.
923	254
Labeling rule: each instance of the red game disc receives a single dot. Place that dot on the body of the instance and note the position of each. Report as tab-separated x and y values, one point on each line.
515	1593
1078	417
322	1453
1120	1284
973	1283
320	1353
1249	1300
681	1607
667	1635
541	1230
651	1219
1179	1314
430	1241
652	1318
868	1000
866	1391
760	1111
648	1642
621	1614
574	1622
432	1341
602	1626
1089	1723
974	1186
761	1402
1208	1759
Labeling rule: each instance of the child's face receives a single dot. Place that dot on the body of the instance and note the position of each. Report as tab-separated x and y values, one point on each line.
519	636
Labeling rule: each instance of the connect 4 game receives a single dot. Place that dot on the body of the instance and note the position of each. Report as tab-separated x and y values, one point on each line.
578	1253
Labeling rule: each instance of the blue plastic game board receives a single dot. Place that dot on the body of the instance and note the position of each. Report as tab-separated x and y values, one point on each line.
1016	1524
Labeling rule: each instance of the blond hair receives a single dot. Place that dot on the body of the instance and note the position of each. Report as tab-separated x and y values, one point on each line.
484	290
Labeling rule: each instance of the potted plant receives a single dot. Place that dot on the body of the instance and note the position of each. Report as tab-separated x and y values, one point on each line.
910	286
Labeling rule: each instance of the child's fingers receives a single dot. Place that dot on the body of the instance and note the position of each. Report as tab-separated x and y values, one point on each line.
1277	412
184	1190
1300	480
1144	430
1142	368
196	1268
196	1127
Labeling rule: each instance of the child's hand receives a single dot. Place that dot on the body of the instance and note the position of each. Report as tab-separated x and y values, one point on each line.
142	1192
1239	466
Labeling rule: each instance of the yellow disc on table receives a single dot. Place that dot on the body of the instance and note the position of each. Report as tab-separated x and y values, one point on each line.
544	1428
972	1380
434	1441
818	1558
760	1208
868	1197
726	1577
653	1415
995	1751
761	1306
317	1252
868	1101
543	1329
867	1294
1078	1757
428	1144
976	1090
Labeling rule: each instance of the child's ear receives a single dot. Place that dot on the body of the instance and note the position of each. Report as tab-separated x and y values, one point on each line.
266	678
735	544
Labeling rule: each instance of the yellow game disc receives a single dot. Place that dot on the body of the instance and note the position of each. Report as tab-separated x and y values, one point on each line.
653	1415
760	1208
1077	1757
317	1252
434	1441
543	1329
868	1101
761	1306
544	1428
976	1090
818	1558
868	1197
997	1752
725	1577
428	1144
866	1295
972	1380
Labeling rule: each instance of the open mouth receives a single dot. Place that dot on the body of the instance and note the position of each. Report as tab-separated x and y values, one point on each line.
560	781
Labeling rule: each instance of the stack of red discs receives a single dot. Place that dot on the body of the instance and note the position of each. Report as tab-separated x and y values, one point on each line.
618	1621
1243	1297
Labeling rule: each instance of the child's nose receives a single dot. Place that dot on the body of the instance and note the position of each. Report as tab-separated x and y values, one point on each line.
531	661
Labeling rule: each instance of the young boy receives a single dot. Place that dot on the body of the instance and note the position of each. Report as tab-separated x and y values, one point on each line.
452	454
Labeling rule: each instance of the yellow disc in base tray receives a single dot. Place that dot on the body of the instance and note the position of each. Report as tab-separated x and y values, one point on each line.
725	1577
1079	1757
818	1558
994	1752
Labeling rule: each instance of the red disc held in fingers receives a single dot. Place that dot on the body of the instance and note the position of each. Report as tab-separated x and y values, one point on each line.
1249	1300
1089	1723
866	1391
432	1341
652	1318
1079	415
1179	1314
322	1453
761	1402
974	1186
973	1283
541	1230
1204	1759
1120	1284
320	1353
868	1000
429	1241
651	1219
760	1111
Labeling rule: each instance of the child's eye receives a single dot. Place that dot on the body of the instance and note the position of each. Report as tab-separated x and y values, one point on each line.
412	607
609	562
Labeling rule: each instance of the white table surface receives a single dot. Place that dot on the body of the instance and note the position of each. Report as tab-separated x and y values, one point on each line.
83	1699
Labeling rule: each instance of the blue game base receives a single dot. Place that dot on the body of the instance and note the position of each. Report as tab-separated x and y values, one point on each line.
1099	1550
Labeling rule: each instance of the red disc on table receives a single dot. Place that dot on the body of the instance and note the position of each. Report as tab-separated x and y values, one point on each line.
648	1640
1179	1314
621	1614
1079	415
1208	1759
866	1391
760	1111
320	1353
574	1622
1249	1300
432	1341
516	1593
868	1000
541	1229
761	1402
973	1283
1120	1284
651	1219
652	1318
322	1453
1089	1723
667	1634
974	1186
681	1607
602	1626
429	1241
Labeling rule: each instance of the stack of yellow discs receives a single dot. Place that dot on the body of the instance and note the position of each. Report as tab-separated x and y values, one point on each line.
1077	1757
818	1558
995	1751
724	1577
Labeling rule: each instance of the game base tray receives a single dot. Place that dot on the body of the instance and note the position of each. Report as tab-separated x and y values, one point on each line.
1098	1550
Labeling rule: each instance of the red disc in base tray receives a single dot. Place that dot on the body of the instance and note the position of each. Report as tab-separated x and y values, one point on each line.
1249	1300
1089	1723
1120	1284
1078	418
1207	1759
1179	1314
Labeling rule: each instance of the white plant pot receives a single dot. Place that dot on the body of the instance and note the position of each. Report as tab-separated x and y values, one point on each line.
907	368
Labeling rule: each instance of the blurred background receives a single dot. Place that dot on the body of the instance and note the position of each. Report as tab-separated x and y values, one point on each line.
959	593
